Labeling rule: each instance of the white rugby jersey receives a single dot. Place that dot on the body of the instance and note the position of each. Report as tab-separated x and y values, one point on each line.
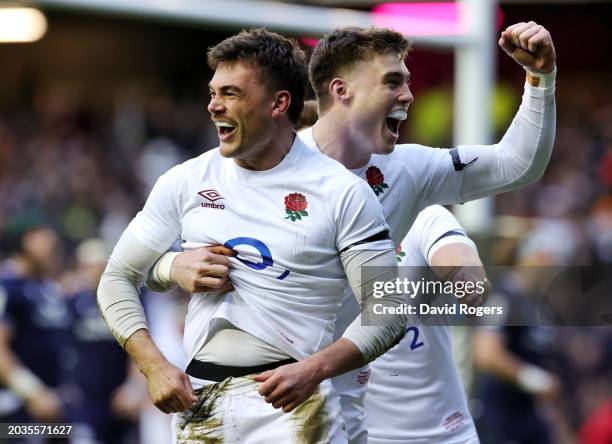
413	177
287	225
415	393
405	181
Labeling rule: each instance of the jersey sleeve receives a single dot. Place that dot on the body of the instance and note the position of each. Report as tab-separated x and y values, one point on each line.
436	181
433	228
358	215
522	155
158	225
469	172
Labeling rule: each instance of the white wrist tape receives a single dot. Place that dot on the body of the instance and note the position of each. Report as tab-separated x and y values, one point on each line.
164	266
24	383
159	278
534	380
540	79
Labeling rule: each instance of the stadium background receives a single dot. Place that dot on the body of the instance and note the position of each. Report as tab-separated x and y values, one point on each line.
93	112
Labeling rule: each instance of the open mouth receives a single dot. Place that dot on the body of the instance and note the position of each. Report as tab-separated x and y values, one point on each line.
394	120
225	129
393	125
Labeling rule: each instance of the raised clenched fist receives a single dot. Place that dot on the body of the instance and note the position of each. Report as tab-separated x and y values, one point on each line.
530	45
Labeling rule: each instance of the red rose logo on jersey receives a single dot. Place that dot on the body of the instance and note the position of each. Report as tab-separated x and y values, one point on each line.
376	180
295	206
399	254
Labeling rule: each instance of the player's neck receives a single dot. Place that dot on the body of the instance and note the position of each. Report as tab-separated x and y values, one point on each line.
333	139
271	153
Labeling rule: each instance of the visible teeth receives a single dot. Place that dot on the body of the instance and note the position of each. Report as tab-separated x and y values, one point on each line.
224	125
398	114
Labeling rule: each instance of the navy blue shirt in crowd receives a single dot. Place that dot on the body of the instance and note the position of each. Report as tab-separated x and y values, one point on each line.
509	413
97	364
40	320
94	368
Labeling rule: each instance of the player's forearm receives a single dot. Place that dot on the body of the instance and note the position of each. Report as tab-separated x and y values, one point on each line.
449	258
143	351
12	373
119	304
8	360
491	355
340	357
21	380
522	155
372	341
118	297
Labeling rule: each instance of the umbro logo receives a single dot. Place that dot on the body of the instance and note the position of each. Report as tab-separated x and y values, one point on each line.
212	196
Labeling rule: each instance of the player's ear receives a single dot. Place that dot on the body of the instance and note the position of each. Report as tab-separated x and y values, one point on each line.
338	89
282	101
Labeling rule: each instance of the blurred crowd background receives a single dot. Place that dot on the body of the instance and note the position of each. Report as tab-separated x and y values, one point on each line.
95	111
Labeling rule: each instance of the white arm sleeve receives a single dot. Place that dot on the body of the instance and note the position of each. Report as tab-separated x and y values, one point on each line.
469	172
118	297
522	155
373	341
149	235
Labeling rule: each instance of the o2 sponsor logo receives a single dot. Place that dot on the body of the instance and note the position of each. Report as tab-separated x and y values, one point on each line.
264	252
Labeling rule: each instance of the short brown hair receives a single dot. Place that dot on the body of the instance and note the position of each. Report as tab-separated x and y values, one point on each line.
282	61
342	49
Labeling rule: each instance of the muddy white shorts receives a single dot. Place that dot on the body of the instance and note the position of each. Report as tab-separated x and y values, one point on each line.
232	411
